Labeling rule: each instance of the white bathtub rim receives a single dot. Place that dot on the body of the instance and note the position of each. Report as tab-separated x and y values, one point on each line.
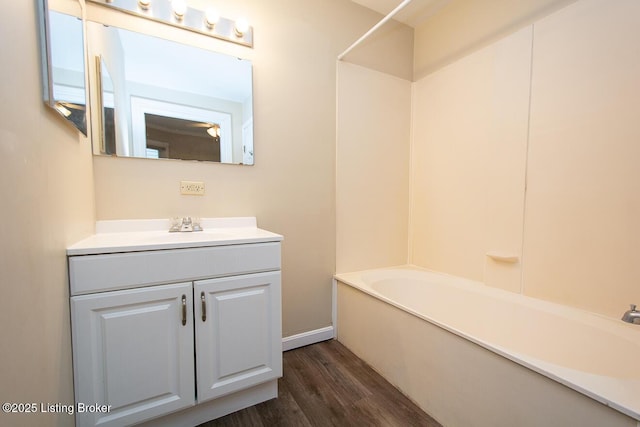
613	392
596	320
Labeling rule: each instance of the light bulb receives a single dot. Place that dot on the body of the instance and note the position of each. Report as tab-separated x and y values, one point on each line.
241	27
144	4
179	8
214	131
211	17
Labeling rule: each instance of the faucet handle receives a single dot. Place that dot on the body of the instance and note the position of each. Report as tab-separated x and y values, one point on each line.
187	224
633	307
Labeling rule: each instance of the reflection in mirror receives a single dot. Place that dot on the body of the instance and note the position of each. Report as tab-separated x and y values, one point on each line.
173	138
107	125
63	66
161	99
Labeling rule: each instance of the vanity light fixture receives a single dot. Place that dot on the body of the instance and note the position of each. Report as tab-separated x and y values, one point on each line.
179	8
211	17
178	14
241	26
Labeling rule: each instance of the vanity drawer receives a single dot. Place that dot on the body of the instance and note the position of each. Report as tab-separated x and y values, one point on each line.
97	273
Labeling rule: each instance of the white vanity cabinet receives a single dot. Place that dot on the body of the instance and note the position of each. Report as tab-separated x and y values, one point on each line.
177	332
233	329
132	352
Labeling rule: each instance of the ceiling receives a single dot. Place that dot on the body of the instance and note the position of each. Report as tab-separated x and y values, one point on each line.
413	14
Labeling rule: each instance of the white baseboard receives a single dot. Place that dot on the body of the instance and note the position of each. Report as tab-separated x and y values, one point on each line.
306	338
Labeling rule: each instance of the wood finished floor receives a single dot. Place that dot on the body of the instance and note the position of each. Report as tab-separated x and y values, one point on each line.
325	384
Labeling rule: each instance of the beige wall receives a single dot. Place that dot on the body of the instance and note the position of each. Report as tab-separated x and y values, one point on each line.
579	238
582	220
468	157
463	26
291	188
388	50
372	179
46	188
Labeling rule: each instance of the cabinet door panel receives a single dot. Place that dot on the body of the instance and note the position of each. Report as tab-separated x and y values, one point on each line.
132	352
239	344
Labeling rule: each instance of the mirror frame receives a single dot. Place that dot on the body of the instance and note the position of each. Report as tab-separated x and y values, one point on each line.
46	66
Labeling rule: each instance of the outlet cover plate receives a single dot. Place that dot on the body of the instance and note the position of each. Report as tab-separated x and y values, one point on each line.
192	188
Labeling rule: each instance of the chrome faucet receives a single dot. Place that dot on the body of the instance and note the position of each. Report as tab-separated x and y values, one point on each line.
185	224
632	315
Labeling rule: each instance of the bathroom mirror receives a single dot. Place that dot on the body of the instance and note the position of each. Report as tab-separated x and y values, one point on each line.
162	99
63	67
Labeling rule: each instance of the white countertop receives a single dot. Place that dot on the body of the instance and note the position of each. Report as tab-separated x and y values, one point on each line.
153	234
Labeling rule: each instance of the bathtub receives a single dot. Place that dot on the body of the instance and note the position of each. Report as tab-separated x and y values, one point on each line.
472	355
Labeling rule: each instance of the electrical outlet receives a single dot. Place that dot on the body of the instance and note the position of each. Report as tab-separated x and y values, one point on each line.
193	188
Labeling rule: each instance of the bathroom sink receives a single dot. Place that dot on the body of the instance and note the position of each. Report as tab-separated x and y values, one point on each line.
147	235
195	236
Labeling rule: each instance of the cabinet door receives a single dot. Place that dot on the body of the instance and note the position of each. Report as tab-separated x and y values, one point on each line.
133	351
238	332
